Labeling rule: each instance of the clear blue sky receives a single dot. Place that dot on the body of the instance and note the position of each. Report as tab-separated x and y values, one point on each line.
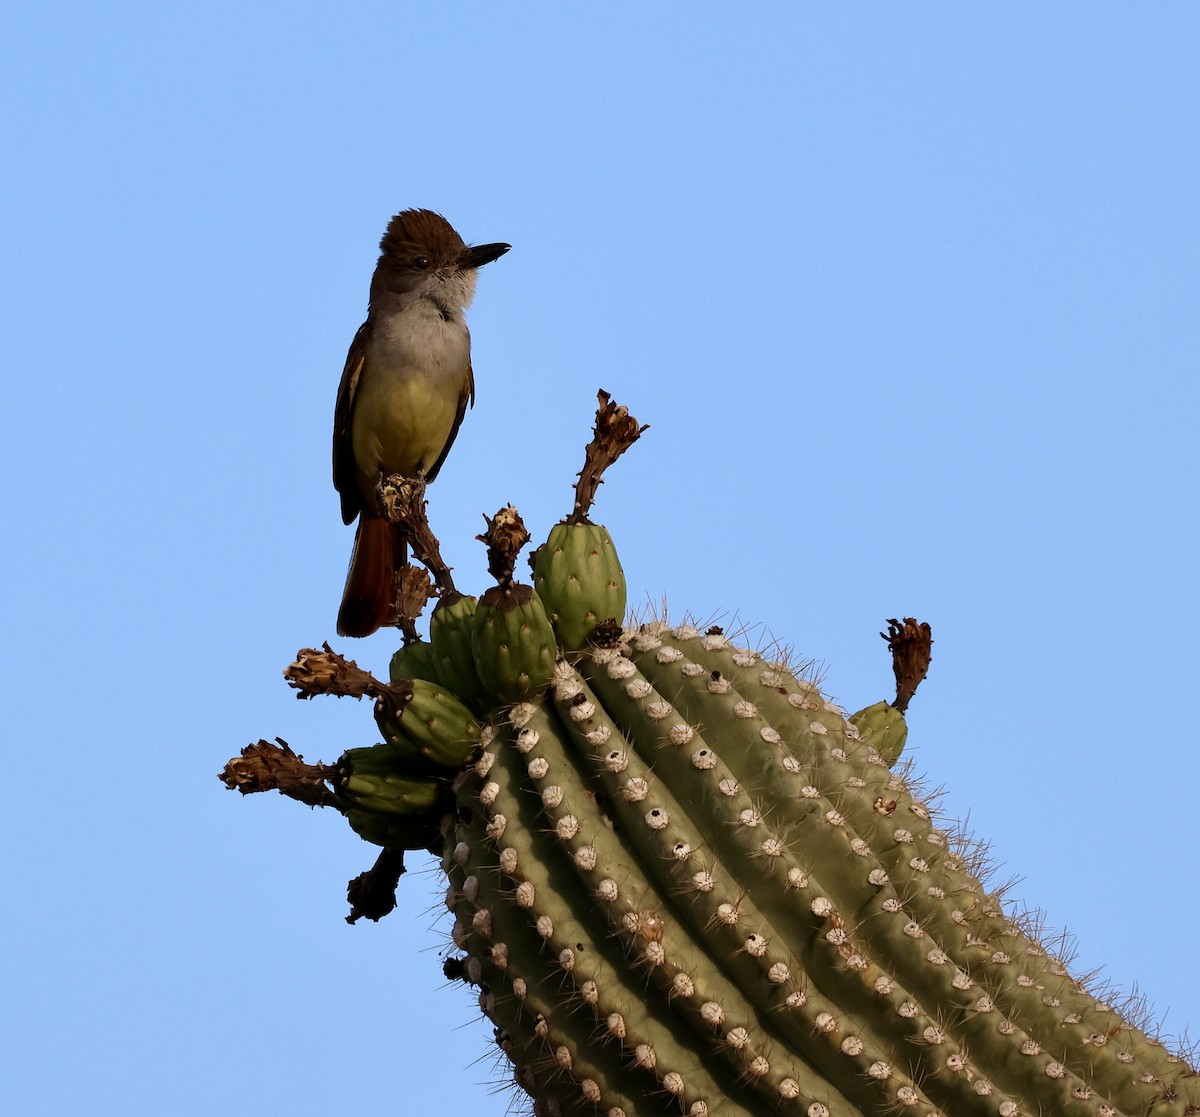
907	294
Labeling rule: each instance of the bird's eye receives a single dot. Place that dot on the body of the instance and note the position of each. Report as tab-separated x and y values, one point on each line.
421	263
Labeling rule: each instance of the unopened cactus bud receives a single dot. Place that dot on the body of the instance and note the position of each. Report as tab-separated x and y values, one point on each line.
513	643
579	578
450	636
415	661
434	728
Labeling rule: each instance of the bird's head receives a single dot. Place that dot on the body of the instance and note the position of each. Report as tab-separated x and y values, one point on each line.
421	254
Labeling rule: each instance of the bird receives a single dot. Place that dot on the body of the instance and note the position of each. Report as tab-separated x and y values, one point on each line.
405	388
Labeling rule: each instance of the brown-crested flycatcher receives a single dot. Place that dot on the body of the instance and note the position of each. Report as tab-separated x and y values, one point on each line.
405	388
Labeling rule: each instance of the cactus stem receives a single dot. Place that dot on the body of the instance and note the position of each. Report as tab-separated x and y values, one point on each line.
684	882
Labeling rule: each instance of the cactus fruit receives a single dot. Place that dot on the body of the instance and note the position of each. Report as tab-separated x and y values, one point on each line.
419	830
882	727
513	643
434	728
512	639
579	578
388	800
378	779
450	638
684	882
414	661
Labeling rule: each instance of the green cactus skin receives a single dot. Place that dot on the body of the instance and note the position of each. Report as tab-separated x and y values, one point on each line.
386	803
450	629
945	877
415	661
685	882
379	779
567	948
579	578
419	830
513	643
882	727
435	731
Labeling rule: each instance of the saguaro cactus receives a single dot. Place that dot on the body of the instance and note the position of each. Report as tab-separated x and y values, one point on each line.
683	881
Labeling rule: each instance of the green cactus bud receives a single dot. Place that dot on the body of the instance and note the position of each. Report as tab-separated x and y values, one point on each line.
434	728
883	726
414	661
450	635
368	825
513	643
399	832
579	578
379	779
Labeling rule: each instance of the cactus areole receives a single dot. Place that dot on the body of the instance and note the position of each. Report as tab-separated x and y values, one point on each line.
683	882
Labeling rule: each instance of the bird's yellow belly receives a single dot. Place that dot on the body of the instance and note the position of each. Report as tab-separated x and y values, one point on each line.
401	422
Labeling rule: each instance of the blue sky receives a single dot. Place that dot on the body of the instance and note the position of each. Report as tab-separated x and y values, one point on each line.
907	294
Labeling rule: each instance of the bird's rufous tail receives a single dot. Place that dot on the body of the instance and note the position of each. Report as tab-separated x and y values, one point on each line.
369	599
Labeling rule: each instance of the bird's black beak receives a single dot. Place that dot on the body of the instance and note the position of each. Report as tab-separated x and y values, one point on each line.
481	254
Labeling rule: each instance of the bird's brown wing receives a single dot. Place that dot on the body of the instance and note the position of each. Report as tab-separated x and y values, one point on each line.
467	399
345	475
